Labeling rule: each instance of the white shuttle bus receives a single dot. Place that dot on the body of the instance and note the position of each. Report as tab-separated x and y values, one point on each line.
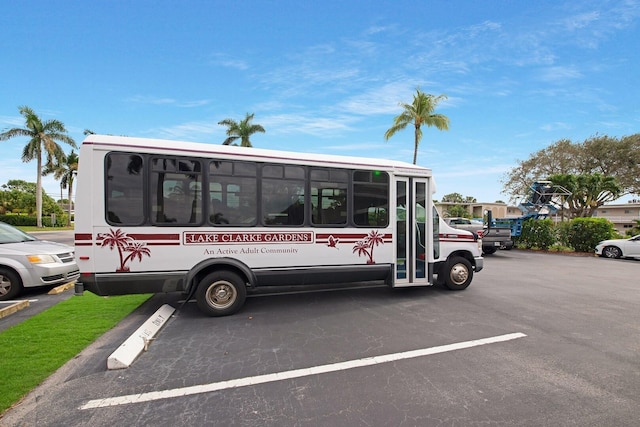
217	222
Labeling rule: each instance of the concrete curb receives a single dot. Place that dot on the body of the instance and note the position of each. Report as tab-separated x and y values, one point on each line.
14	307
139	341
60	289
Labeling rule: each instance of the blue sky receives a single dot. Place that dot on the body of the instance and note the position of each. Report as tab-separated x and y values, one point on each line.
327	76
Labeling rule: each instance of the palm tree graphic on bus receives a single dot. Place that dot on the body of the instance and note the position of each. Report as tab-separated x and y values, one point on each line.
119	240
365	247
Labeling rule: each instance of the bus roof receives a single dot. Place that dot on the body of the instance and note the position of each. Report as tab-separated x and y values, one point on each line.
183	148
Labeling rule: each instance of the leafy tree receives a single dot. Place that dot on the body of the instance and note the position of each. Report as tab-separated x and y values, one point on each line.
458	211
65	172
453	198
42	141
419	112
588	192
608	156
619	158
19	196
240	130
635	230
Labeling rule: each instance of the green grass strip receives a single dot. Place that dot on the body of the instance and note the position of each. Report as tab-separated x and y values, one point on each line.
37	347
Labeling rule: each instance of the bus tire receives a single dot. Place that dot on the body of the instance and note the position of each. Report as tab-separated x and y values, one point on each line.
458	273
221	293
10	284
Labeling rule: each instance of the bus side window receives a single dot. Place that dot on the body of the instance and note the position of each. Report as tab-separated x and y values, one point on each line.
233	193
176	191
370	198
329	196
283	195
124	181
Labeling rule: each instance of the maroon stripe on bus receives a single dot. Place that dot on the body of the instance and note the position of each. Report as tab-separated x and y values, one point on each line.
154	236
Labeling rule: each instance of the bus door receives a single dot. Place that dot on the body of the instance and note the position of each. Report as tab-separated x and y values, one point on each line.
411	232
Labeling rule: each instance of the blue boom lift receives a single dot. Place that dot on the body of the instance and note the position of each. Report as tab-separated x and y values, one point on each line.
543	200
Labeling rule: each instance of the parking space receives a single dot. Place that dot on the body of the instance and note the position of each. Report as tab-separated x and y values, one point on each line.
536	340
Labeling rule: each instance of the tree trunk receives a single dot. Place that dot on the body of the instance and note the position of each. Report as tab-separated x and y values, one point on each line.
70	204
39	192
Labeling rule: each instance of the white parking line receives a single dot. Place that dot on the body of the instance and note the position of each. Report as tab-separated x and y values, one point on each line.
296	373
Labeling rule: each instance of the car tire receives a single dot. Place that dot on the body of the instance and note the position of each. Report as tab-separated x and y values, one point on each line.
10	284
611	252
489	250
221	293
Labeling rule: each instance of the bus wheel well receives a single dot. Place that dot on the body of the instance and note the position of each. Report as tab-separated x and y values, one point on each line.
205	271
220	293
441	267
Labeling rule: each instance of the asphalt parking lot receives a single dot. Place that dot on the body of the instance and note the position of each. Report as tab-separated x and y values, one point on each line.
536	340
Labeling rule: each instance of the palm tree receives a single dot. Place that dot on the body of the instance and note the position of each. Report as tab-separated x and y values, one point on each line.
42	140
419	112
119	240
587	191
242	129
65	172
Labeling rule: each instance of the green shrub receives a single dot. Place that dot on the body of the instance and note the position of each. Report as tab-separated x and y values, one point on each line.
583	234
31	221
537	233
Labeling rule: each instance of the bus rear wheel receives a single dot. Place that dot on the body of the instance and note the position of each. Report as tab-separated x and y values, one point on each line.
458	273
221	293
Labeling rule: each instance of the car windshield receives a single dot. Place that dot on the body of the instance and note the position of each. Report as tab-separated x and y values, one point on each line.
9	234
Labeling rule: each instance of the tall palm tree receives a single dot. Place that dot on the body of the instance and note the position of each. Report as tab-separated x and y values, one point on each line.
242	130
65	172
42	141
419	112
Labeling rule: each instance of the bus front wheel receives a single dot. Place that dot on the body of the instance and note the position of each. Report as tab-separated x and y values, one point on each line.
458	273
221	293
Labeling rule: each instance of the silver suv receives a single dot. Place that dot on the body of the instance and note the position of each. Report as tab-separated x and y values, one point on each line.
27	262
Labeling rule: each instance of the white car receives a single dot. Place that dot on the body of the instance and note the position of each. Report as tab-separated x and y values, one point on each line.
29	262
617	248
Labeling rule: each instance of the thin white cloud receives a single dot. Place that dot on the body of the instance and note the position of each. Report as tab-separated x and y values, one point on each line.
560	74
384	99
11	121
192	104
227	61
555	126
362	147
141	99
305	124
152	100
190	131
581	20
